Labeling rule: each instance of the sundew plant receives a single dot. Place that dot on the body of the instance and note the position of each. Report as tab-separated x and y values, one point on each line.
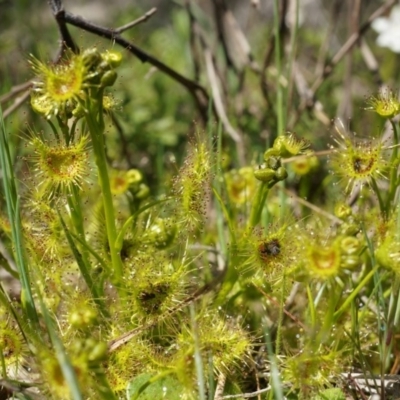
222	224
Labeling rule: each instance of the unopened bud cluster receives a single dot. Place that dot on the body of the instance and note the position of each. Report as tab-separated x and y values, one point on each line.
285	146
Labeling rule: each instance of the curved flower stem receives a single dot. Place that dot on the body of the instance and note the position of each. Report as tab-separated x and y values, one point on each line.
96	129
382	206
346	304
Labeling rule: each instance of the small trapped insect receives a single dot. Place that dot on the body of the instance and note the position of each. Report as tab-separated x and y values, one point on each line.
270	248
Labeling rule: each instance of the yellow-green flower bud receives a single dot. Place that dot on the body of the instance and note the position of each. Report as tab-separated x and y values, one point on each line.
271	152
78	111
113	58
98	353
350	245
83	318
264	174
143	192
91	57
281	174
108	78
273	162
342	211
289	145
134	176
349	228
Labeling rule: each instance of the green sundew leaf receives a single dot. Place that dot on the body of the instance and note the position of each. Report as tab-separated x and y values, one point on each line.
151	387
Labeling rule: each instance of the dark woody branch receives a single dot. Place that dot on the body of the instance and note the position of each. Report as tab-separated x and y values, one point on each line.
63	17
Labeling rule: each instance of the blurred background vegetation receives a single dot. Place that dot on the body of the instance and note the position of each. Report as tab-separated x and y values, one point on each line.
255	86
156	114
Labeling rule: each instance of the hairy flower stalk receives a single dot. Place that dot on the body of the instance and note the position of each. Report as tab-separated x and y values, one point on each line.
75	88
96	130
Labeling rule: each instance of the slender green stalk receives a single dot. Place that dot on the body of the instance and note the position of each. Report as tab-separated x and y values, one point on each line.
292	55
75	208
382	206
218	185
258	206
333	297
97	135
311	307
281	110
278	64
197	355
63	359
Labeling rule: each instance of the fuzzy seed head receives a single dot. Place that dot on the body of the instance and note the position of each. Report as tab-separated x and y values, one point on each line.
192	186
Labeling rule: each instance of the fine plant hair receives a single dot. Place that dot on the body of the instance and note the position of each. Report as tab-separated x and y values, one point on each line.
253	253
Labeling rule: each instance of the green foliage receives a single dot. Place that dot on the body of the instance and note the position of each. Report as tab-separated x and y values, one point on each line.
145	387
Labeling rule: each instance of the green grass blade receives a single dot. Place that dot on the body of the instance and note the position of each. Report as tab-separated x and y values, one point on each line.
84	271
62	357
12	200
